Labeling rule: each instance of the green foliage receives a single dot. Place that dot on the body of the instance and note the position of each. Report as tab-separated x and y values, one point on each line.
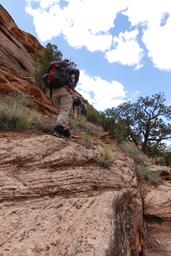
165	159
15	114
108	120
145	122
93	116
51	53
117	127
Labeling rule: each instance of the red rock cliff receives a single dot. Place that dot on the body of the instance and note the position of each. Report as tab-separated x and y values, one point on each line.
17	50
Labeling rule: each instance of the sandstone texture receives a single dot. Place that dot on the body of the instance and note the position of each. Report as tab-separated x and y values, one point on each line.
17	48
17	65
56	200
157	214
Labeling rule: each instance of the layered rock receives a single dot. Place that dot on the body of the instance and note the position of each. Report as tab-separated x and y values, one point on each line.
56	200
17	50
157	214
17	63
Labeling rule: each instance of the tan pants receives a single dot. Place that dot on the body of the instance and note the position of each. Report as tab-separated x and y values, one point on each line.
77	112
63	100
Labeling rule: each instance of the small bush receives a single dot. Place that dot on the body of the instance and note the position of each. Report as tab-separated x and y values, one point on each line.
93	116
15	113
133	152
87	140
51	52
150	176
167	158
81	125
105	158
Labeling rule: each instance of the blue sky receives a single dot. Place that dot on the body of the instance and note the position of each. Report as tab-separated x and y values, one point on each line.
122	47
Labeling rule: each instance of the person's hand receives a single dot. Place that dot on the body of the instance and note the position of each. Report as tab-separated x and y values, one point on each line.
70	90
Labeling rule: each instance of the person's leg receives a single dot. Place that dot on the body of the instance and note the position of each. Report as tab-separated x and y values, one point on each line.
62	126
76	112
64	109
79	111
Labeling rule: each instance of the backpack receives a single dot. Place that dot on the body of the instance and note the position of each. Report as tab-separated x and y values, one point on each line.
77	102
61	73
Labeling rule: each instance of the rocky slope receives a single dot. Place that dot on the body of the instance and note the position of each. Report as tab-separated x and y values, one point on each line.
55	197
56	200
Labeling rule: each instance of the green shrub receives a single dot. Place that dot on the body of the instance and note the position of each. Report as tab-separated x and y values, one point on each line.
167	158
51	53
118	130
15	113
93	116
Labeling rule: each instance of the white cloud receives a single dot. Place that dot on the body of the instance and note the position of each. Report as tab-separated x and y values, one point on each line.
101	93
158	44
156	36
88	23
126	51
45	21
83	23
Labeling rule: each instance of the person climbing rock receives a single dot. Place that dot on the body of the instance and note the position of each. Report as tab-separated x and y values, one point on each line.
77	107
61	79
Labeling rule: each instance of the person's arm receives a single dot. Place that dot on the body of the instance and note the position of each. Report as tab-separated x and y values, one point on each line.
77	75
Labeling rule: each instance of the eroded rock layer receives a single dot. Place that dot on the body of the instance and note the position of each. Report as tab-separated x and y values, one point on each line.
56	200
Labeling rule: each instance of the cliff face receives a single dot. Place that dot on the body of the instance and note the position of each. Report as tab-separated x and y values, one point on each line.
17	50
55	198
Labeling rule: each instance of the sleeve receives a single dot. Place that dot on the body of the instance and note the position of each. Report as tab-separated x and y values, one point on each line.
77	75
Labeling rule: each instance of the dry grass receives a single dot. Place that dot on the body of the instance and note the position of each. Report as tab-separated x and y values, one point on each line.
18	113
106	157
134	152
82	126
153	177
87	140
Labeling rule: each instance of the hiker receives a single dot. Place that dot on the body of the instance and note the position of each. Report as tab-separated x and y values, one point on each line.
62	79
77	107
84	110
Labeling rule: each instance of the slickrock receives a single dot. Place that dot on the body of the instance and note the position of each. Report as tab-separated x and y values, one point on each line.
56	200
157	215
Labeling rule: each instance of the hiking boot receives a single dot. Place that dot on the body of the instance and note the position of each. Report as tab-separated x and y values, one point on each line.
67	133
58	131
61	132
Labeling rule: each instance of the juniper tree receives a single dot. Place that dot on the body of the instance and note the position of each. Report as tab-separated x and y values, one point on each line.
51	52
147	122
